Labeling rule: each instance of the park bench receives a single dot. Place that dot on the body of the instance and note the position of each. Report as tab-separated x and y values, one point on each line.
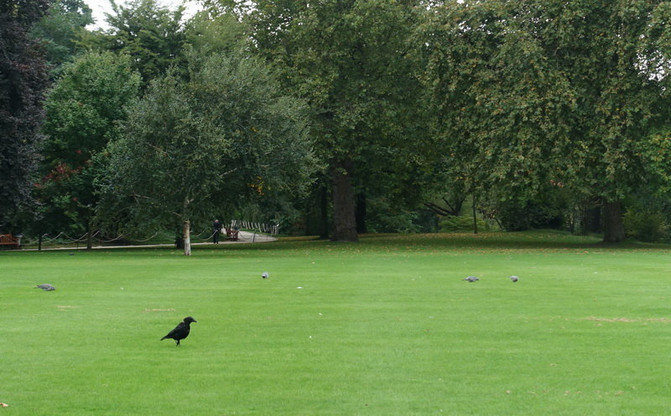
8	240
232	234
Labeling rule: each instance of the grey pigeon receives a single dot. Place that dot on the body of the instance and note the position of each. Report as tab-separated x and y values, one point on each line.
471	279
46	287
513	278
265	275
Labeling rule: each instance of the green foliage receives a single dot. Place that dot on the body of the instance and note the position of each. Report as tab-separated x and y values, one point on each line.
193	150
59	30
23	81
83	110
152	35
531	92
383	216
85	105
646	225
462	224
206	34
350	61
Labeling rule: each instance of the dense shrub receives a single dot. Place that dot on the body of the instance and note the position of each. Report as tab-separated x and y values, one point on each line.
646	225
461	224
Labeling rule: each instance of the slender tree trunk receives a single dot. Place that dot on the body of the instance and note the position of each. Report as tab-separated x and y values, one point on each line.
324	211
89	237
344	217
475	217
186	235
613	224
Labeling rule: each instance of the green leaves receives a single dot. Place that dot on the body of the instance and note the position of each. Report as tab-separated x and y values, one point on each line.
538	91
192	150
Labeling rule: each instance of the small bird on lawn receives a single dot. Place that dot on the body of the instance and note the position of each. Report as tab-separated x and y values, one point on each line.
181	331
45	286
265	275
471	279
513	278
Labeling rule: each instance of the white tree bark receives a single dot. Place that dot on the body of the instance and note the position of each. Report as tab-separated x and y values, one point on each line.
186	234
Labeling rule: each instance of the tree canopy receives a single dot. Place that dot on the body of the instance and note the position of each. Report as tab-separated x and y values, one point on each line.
543	93
23	80
356	113
190	150
349	60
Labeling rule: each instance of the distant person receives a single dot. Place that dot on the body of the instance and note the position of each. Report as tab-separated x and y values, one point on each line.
216	228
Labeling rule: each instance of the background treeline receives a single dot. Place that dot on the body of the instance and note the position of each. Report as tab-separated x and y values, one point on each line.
337	117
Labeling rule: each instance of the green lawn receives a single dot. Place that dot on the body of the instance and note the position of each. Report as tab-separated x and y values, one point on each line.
386	326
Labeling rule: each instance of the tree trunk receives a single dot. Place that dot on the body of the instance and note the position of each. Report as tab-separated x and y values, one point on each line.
89	237
475	217
344	217
613	225
324	211
186	236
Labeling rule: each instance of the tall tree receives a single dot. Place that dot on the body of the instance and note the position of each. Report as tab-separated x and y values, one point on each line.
23	80
551	93
151	34
83	111
60	29
192	150
349	60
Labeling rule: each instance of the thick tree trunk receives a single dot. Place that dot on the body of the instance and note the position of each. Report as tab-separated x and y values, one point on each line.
186	236
344	217
324	212
613	225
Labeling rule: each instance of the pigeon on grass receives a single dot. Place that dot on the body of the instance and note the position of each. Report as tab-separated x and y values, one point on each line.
513	278
471	279
46	287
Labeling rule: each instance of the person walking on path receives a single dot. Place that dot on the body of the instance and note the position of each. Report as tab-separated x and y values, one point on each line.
216	228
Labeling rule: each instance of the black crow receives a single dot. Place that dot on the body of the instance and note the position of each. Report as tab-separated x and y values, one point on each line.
181	331
45	286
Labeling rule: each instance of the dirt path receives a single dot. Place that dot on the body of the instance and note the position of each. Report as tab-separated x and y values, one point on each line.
244	237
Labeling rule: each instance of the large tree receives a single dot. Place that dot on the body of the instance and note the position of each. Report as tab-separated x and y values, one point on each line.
151	34
23	80
193	150
349	60
83	111
550	93
60	30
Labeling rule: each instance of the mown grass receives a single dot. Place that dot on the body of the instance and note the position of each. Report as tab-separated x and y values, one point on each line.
386	326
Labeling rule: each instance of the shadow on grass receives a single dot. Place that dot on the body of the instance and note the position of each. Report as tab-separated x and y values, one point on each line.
527	240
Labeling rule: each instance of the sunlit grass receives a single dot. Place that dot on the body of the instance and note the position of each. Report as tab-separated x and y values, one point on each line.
385	326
